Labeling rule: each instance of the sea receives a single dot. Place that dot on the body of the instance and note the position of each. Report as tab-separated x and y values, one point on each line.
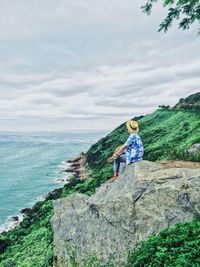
32	164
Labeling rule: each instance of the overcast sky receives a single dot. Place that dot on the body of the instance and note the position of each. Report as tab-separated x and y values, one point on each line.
89	64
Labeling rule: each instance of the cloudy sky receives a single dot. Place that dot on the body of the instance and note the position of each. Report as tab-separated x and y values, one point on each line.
89	65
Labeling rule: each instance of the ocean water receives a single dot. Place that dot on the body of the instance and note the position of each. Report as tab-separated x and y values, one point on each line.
32	163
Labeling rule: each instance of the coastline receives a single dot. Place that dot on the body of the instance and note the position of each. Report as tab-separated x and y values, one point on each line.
11	223
74	167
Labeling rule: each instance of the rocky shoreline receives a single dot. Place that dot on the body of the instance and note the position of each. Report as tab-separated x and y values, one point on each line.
12	222
77	167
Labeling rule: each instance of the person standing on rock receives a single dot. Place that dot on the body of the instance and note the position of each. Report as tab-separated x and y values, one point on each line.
130	152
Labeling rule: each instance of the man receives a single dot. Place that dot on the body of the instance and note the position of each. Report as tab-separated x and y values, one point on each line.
130	152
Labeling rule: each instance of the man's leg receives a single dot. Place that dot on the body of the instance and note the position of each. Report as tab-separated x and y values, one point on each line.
116	164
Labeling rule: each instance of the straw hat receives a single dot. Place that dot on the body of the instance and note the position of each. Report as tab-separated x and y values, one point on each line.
132	126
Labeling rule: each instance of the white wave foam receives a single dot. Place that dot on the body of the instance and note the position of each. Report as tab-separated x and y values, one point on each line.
11	223
64	165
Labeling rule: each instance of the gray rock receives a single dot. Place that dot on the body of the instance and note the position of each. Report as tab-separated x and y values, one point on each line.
69	170
15	218
194	149
145	199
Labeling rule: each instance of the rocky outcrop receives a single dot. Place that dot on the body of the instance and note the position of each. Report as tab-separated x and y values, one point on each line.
78	167
146	198
191	102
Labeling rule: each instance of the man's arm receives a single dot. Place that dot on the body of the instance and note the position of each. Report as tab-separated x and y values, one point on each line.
120	149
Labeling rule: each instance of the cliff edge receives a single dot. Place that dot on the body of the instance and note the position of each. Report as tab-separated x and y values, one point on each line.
146	198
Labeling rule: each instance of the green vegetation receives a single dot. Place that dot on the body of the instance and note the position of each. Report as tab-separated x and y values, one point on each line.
186	11
166	134
192	102
31	243
173	247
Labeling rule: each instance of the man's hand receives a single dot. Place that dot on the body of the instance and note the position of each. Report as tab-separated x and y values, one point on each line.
115	155
112	158
119	149
116	150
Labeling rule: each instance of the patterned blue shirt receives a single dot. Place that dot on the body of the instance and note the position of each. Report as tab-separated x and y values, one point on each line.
134	148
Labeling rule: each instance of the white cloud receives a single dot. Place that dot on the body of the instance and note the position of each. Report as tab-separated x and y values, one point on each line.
80	61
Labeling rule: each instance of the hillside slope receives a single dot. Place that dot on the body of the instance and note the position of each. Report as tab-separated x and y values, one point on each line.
166	134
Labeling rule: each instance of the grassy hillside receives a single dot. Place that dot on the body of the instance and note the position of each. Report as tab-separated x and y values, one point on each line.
166	134
30	244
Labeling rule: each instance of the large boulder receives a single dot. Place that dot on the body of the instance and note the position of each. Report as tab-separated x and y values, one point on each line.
146	198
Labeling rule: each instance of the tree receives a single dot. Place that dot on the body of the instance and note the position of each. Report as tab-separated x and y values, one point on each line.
164	106
185	11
